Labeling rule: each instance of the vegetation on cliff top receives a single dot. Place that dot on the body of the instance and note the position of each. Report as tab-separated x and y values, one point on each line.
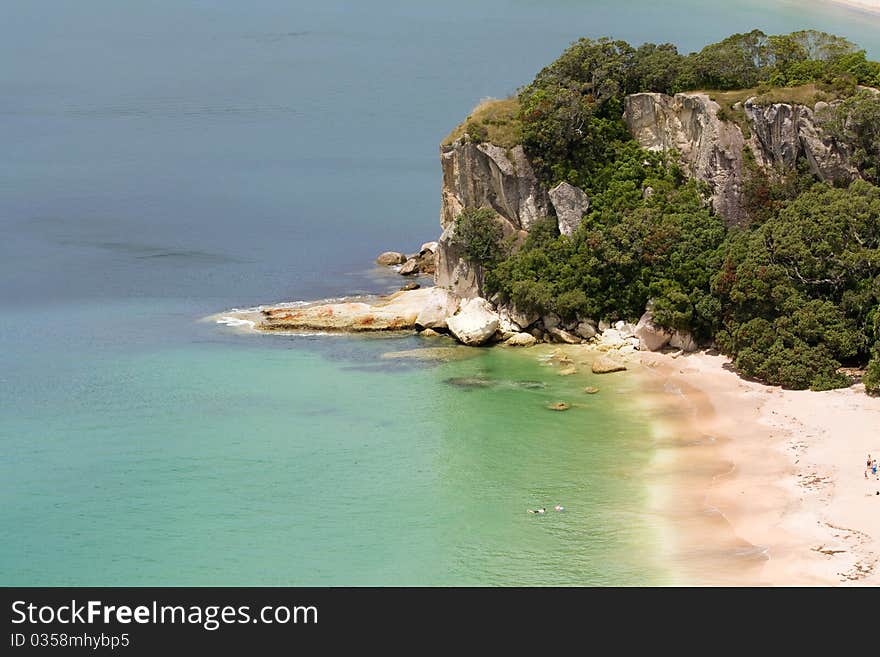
791	297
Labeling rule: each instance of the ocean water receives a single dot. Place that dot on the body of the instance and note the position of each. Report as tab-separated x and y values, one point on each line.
164	161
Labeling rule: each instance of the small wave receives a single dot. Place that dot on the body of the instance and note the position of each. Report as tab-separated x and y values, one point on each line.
237	322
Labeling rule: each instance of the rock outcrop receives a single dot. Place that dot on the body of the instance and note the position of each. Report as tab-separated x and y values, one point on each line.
571	204
395	312
651	337
483	176
439	305
390	258
488	176
453	270
782	134
710	149
475	323
521	340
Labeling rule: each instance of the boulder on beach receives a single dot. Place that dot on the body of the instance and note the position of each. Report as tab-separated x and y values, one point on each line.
410	267
684	341
475	322
521	340
606	364
513	317
439	306
561	335
651	337
586	329
390	258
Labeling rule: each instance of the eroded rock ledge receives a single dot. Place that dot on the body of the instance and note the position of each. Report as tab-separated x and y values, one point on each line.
435	311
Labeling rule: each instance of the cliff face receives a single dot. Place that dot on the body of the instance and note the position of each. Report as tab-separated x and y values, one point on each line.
483	176
782	134
712	149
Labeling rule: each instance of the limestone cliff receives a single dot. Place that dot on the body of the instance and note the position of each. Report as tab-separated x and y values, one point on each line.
483	175
783	133
711	149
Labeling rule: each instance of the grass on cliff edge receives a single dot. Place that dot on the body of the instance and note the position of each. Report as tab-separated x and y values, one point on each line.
493	120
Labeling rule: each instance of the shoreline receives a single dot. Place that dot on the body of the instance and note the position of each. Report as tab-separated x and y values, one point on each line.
784	469
759	485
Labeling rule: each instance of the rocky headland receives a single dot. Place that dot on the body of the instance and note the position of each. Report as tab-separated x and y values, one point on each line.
711	147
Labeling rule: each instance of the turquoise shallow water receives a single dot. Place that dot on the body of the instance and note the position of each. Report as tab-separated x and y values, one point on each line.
169	160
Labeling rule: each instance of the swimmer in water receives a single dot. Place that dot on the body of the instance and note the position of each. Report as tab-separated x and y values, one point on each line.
541	510
559	507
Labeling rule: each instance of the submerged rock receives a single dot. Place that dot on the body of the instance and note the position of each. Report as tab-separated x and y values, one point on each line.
438	354
531	385
607	364
591	390
558	406
470	382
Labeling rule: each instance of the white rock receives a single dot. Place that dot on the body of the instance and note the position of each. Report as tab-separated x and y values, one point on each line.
684	341
521	340
651	337
626	330
571	204
428	247
611	338
586	330
475	323
439	306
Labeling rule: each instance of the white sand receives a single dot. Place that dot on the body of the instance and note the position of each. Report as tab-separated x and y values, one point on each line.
795	487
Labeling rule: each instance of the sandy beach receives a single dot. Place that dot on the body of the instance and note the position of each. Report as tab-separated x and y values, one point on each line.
789	470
